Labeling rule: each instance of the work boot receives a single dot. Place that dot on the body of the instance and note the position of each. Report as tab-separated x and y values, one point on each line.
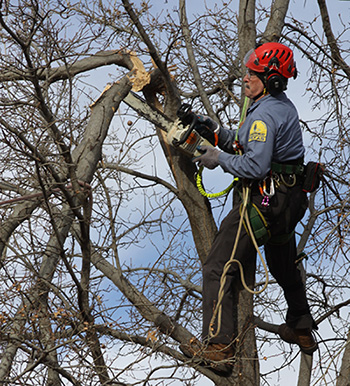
302	337
219	356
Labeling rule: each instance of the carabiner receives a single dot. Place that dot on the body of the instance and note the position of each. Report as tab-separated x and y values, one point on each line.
272	188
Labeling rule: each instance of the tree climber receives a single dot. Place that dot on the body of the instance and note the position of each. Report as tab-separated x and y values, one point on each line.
272	156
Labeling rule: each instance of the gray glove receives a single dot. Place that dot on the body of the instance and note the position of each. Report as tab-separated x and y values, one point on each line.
210	157
208	129
208	122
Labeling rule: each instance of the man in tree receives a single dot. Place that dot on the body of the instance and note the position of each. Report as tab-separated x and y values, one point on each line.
271	165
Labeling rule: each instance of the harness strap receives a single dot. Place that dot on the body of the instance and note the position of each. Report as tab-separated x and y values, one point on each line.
278	168
258	224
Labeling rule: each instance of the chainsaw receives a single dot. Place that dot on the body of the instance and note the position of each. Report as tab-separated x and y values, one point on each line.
181	133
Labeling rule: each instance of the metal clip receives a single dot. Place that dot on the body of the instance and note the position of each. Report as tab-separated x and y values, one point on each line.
272	188
276	179
267	195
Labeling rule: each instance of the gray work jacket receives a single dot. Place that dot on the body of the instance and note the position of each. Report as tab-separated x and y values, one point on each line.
271	132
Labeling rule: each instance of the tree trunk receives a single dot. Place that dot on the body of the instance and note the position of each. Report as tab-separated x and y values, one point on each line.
247	367
344	376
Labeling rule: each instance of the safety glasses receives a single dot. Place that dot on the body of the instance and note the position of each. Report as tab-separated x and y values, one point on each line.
251	73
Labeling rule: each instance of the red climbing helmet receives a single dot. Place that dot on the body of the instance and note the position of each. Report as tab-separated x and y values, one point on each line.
272	57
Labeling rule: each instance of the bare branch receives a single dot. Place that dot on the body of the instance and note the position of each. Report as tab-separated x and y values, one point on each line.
193	63
275	23
337	58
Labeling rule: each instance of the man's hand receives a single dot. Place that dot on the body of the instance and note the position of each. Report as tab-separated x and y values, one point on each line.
207	128
204	125
210	157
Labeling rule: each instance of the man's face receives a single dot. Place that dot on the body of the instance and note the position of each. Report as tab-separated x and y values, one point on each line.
253	86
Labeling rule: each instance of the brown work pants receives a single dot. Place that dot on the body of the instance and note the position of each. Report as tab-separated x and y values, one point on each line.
285	209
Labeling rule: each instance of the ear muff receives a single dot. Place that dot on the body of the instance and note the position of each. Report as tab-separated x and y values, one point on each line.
275	84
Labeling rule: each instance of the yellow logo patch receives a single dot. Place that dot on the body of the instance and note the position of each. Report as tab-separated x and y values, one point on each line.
258	132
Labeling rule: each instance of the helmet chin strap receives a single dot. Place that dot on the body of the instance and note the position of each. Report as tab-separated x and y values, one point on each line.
261	94
262	77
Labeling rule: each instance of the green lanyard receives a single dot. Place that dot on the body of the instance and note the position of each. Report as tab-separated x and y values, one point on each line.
243	115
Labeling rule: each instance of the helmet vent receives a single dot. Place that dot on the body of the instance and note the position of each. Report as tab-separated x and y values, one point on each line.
274	62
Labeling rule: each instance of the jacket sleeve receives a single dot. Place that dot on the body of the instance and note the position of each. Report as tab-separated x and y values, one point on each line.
226	139
255	163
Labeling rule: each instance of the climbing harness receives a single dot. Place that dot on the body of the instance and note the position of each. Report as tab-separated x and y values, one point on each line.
244	216
258	224
256	227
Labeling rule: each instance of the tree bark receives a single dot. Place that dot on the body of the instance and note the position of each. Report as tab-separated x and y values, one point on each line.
344	375
275	24
247	368
336	56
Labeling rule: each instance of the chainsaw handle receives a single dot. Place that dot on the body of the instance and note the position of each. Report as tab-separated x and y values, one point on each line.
177	142
184	113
